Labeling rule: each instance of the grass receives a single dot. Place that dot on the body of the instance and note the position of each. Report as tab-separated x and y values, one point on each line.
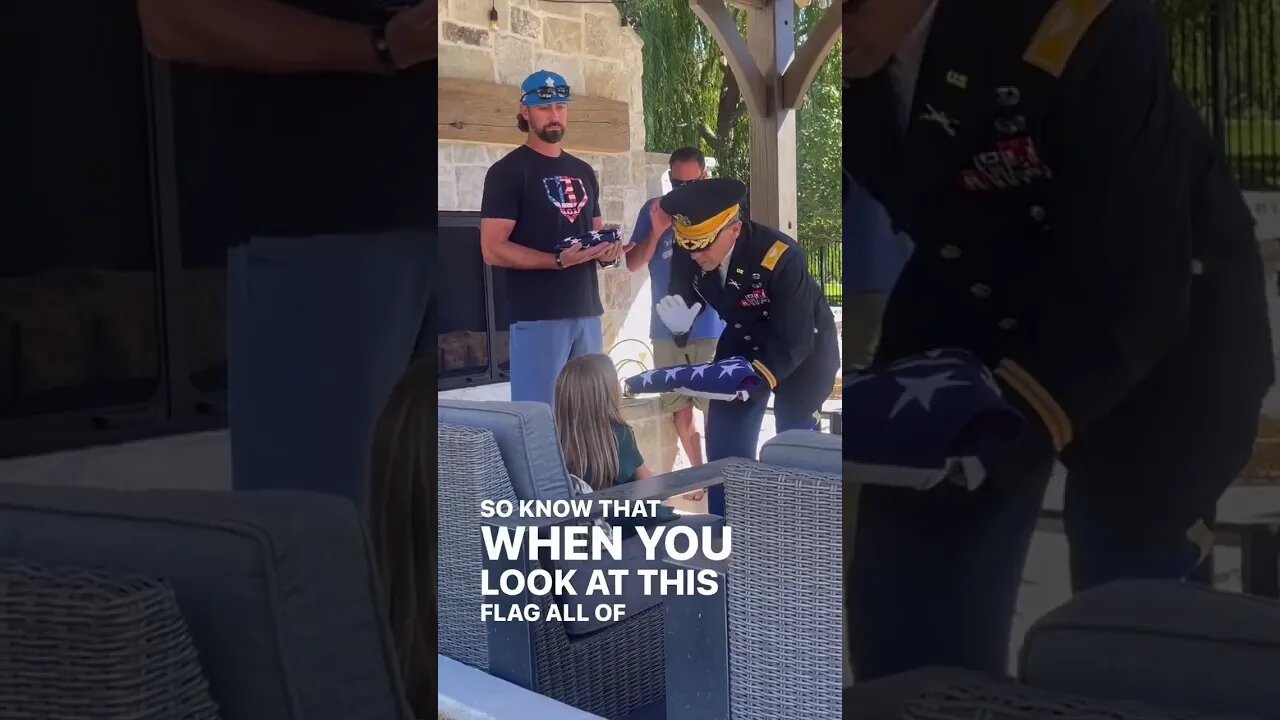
1253	148
1252	136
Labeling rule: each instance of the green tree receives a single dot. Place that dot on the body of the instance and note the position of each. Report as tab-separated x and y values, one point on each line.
691	98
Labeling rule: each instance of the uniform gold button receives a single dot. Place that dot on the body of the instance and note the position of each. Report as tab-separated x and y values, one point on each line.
746	337
951	252
980	290
1008	323
737	326
1037	213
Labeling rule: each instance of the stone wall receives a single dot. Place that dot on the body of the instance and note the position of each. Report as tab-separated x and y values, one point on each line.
589	46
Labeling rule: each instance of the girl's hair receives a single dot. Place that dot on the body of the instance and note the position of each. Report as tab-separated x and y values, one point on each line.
588	403
402	497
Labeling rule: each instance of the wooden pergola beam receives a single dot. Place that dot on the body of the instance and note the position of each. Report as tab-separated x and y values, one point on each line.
715	16
809	58
480	112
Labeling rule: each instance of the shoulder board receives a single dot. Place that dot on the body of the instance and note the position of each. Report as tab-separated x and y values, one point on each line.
1060	32
775	252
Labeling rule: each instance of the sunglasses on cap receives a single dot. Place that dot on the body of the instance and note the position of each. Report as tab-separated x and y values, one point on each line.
547	93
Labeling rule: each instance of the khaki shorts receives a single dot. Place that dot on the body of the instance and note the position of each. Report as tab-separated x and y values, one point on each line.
862	315
695	352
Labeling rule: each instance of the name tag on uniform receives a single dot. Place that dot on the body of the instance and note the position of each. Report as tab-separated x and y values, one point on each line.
755	298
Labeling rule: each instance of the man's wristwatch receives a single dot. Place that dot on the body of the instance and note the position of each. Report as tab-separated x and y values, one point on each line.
378	37
559	262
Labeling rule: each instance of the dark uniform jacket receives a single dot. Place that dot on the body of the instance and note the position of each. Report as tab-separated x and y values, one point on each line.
774	312
1075	224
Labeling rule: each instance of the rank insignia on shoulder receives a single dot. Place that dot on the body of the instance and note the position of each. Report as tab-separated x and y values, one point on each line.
1060	32
775	253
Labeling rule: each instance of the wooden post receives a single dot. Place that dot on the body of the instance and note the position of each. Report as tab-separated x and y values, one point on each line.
773	78
771	37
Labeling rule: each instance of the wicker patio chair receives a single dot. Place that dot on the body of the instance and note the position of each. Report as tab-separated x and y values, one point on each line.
769	645
500	450
89	644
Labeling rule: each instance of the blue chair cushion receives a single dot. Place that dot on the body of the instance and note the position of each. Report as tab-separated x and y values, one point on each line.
804	450
276	587
1166	643
526	437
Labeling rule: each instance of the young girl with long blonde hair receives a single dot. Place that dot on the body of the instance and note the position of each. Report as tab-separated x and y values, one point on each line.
599	446
401	515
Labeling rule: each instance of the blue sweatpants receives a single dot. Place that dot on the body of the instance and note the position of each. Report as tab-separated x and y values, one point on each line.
320	330
540	349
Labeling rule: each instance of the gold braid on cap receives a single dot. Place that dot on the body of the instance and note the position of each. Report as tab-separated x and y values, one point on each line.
696	237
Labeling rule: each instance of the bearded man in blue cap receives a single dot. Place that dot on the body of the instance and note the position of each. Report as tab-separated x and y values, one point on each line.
535	196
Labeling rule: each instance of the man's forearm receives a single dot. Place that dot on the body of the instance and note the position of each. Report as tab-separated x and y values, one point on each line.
255	35
513	256
643	253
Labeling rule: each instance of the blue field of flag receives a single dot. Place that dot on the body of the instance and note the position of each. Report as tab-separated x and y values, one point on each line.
926	418
730	379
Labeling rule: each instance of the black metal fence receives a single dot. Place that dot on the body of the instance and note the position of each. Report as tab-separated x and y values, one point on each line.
826	264
1226	57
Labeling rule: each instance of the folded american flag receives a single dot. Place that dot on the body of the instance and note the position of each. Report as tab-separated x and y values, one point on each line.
924	419
591	239
731	379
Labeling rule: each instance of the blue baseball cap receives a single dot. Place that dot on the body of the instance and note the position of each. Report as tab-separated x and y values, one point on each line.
544	88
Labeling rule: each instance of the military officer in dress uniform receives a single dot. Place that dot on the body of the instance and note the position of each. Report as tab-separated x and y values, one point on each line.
775	314
1076	227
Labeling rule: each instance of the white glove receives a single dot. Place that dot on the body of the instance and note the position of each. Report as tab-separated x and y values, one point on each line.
677	316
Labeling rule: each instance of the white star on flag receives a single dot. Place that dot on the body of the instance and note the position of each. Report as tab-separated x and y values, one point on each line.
736	380
922	390
892	442
856	379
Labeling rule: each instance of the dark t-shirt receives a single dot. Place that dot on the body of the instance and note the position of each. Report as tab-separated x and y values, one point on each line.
327	152
629	461
550	199
629	457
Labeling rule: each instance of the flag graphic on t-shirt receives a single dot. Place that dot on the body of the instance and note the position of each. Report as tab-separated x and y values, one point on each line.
568	194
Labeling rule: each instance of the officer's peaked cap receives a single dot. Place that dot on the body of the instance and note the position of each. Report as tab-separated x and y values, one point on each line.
700	210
